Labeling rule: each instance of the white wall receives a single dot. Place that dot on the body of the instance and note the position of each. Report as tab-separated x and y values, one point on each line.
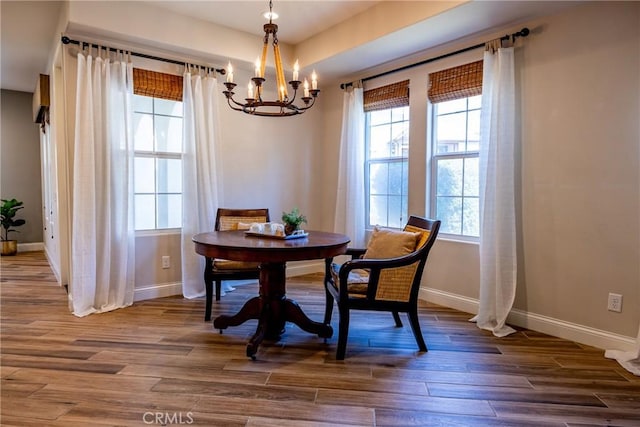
20	163
580	106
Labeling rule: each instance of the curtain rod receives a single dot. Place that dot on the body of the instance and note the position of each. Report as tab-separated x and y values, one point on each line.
67	40
522	33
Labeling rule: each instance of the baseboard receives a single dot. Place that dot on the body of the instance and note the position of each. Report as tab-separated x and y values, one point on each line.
30	247
157	291
447	299
298	268
536	322
53	265
572	331
175	288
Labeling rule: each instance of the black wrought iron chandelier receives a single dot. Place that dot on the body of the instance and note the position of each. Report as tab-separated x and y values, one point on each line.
284	105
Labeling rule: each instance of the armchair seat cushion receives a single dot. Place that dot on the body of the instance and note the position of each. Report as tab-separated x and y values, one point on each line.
357	282
225	264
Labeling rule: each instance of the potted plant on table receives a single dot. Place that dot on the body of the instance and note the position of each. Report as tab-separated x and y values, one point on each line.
8	211
292	221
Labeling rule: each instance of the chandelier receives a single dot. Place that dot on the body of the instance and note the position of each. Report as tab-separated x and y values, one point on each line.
284	105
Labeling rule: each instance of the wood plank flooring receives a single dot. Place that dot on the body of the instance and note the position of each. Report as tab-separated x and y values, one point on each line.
159	363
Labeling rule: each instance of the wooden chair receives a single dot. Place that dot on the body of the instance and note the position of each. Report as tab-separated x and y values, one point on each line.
219	269
380	284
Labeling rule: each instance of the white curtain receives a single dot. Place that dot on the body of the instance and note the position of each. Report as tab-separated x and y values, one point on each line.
349	214
498	263
102	244
199	180
630	360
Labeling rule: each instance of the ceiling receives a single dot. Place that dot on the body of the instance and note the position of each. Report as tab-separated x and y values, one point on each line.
26	33
28	28
297	20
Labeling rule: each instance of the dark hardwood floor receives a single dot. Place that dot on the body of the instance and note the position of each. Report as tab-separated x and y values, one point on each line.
159	363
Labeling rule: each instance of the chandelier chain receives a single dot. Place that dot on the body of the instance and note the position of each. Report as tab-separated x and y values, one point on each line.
270	11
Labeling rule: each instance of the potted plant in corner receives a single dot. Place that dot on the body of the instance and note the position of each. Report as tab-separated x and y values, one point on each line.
292	221
8	211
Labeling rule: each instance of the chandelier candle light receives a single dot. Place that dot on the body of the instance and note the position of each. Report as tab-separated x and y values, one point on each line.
283	106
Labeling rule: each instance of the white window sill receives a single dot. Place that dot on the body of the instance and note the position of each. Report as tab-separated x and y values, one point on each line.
160	232
459	239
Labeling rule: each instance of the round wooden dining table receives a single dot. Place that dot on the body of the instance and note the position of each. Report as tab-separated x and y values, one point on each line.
271	307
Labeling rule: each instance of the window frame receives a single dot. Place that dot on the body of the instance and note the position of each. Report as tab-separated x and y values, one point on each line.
157	155
404	195
436	157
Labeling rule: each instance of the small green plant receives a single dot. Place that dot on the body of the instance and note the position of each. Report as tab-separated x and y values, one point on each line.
8	211
292	220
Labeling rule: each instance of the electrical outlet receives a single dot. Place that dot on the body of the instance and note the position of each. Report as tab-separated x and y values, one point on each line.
615	302
166	261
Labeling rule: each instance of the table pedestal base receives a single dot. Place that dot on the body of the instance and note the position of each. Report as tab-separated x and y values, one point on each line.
273	310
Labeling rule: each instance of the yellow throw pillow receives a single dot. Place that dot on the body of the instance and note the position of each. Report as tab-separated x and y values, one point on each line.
424	234
386	243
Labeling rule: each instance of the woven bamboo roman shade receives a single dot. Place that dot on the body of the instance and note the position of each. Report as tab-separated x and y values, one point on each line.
158	85
390	96
455	83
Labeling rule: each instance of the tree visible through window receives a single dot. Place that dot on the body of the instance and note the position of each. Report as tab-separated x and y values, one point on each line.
456	143
386	173
158	163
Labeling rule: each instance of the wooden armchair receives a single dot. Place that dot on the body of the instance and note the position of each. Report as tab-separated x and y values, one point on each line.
219	269
386	278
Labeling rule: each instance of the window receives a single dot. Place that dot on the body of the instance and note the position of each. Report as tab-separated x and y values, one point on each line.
386	173
456	97
158	163
386	157
455	188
